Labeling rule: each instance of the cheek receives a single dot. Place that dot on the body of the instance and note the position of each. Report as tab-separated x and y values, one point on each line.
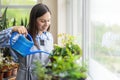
39	24
49	23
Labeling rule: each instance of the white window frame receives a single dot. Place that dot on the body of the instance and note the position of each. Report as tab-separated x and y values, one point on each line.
74	25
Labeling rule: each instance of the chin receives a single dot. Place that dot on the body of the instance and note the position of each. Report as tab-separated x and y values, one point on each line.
45	30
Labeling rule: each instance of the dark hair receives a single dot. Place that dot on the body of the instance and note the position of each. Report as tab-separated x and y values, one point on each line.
37	11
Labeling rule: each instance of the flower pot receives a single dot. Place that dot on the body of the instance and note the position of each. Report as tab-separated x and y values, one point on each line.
1	75
4	68
7	74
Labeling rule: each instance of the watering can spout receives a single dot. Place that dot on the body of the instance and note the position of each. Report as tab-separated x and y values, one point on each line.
22	45
38	51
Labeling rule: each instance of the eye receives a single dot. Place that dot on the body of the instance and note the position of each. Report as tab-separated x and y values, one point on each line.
43	21
48	20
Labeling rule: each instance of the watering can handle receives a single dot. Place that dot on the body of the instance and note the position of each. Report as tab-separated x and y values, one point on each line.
15	33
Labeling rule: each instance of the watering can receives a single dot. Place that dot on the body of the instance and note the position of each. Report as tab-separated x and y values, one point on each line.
23	45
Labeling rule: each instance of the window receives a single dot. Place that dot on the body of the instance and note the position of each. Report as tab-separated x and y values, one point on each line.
18	9
105	38
74	19
97	24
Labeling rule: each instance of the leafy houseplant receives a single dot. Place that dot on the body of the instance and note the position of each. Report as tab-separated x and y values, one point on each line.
67	44
23	22
41	72
67	47
4	20
64	59
68	69
5	66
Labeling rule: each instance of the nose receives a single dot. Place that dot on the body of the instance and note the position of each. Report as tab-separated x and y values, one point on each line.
47	22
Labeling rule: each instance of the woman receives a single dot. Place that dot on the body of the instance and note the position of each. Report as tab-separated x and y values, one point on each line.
38	28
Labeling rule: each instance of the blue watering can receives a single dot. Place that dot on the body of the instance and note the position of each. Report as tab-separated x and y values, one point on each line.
22	45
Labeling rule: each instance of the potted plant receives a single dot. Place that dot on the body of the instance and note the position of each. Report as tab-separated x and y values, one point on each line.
3	20
67	43
68	69
41	72
64	59
7	67
64	65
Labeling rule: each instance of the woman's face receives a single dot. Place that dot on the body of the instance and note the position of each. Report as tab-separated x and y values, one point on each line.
44	22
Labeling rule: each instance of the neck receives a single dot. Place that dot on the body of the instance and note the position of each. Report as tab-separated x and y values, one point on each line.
40	32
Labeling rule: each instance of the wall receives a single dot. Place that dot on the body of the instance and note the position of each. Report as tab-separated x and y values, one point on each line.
52	4
58	9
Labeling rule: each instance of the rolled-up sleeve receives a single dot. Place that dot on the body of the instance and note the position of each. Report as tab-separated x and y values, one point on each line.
5	37
5	42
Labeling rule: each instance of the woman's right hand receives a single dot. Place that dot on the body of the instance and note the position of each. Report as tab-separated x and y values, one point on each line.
20	30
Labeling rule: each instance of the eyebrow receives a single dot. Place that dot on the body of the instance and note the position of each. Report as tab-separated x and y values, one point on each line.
45	19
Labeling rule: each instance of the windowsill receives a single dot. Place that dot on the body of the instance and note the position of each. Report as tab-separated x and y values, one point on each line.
98	72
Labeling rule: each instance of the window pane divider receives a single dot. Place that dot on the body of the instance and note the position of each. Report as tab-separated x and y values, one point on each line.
16	6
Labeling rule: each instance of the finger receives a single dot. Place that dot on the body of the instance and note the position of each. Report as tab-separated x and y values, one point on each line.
22	30
25	32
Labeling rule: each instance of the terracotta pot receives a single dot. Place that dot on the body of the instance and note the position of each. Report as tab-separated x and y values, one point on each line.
1	75
12	78
4	68
7	74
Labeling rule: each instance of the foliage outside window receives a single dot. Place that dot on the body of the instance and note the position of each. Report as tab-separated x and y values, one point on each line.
106	33
17	9
18	2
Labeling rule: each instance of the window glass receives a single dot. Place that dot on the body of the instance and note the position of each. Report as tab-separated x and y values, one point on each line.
18	14
105	24
17	9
